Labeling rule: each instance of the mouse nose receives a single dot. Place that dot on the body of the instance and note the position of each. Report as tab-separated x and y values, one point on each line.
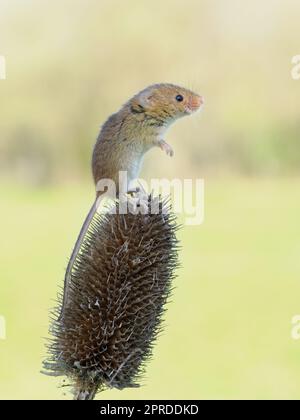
196	102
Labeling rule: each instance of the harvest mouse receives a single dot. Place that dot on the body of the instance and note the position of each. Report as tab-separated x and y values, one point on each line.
128	134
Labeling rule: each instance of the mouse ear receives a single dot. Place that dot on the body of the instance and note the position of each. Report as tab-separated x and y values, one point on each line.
140	102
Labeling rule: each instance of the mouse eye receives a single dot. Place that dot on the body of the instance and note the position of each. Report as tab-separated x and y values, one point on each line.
179	98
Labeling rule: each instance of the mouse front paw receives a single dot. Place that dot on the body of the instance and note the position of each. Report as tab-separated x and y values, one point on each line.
166	147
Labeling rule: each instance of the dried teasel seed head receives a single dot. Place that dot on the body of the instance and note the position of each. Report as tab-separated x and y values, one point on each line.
120	283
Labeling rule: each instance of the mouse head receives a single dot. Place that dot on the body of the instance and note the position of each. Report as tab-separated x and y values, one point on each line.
166	102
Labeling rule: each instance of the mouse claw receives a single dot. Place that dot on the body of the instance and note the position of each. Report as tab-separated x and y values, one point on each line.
166	148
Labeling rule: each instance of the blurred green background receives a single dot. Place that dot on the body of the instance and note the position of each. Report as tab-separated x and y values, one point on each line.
70	64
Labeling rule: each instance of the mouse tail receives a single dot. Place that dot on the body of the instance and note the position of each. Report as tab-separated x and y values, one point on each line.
75	252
